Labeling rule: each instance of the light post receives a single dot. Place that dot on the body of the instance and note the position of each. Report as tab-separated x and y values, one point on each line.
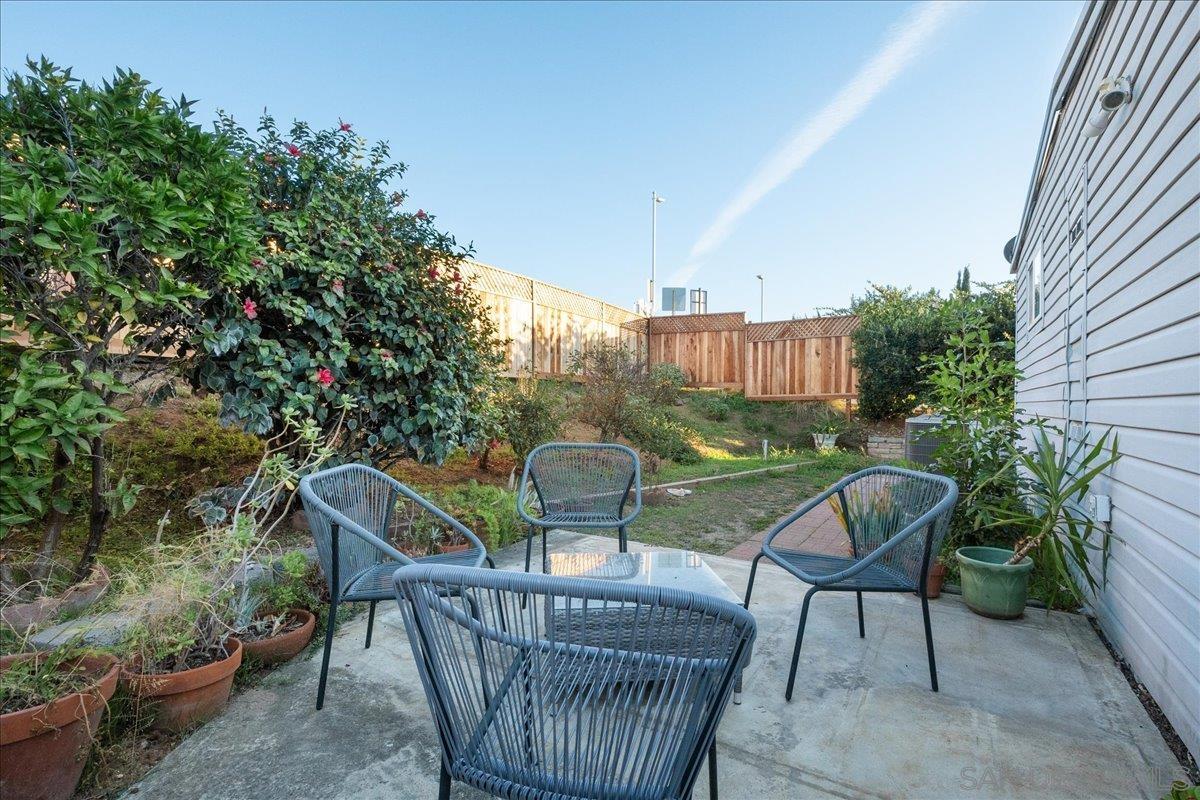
761	295
655	199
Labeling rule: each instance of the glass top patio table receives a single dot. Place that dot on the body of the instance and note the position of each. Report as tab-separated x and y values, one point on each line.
677	569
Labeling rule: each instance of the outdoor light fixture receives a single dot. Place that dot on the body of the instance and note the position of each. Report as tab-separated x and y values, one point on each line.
1111	94
655	199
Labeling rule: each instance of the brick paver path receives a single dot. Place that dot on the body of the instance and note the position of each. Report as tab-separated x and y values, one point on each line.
818	531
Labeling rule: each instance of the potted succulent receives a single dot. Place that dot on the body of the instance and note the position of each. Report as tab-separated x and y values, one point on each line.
51	705
1053	483
283	621
826	430
181	654
191	601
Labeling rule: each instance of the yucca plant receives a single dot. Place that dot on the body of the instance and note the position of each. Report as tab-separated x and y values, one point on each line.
1052	483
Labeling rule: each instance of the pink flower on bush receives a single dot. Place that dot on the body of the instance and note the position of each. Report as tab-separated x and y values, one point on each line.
421	215
493	444
385	355
257	263
338	285
433	273
250	307
324	376
458	288
345	127
390	267
293	151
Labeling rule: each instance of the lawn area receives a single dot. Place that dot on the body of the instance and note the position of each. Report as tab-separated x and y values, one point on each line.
718	516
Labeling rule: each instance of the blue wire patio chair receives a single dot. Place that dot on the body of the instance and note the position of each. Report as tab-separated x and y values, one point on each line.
350	510
579	486
528	709
895	520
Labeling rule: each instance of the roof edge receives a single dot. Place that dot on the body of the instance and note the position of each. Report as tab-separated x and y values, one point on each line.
1082	42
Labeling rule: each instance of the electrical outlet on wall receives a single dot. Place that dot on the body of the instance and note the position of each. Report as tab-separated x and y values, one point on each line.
1099	507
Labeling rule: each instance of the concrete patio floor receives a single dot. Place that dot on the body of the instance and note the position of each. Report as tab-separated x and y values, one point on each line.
1033	708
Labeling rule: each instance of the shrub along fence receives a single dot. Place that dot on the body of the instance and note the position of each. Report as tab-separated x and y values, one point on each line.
798	359
544	325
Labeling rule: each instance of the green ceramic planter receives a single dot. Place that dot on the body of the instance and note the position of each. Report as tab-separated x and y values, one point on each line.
989	586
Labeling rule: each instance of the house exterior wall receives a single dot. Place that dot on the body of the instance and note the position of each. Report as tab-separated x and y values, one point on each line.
1117	343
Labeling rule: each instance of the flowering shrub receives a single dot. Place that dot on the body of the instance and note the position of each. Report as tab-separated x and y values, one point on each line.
122	218
349	297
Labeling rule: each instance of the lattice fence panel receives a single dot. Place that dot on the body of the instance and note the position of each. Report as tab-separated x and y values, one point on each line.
801	328
492	280
695	323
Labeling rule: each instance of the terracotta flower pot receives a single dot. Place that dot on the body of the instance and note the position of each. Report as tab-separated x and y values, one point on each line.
179	700
285	646
22	616
43	749
454	548
937	576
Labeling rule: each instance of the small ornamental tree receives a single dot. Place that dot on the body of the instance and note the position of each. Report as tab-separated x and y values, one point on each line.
351	298
120	220
896	328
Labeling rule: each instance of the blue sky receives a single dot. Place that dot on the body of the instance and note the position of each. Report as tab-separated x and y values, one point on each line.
538	131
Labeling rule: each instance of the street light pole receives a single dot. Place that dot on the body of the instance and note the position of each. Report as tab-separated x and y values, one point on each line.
655	199
761	296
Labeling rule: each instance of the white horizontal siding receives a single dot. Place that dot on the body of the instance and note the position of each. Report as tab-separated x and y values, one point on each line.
1143	332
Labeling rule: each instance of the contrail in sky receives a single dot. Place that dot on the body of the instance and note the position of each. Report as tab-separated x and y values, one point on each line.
904	43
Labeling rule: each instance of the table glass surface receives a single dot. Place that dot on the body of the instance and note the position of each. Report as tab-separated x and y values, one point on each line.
677	569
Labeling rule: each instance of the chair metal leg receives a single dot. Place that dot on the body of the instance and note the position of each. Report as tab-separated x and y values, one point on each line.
329	626
370	625
545	561
488	560
712	770
622	540
799	639
929	643
444	784
528	548
750	583
862	632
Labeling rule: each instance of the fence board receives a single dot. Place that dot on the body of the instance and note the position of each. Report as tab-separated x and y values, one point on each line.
543	326
801	359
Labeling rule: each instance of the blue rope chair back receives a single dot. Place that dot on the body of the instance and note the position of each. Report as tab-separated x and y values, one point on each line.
350	495
882	502
583	478
529	708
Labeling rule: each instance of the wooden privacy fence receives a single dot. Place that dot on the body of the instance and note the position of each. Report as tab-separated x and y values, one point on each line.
798	359
709	348
544	325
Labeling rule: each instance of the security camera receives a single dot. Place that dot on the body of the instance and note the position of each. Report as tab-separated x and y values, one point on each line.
1111	94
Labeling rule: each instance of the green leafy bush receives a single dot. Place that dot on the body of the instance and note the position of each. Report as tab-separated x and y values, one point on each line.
122	220
712	405
490	512
971	385
351	297
896	328
664	383
899	328
533	414
614	382
657	431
